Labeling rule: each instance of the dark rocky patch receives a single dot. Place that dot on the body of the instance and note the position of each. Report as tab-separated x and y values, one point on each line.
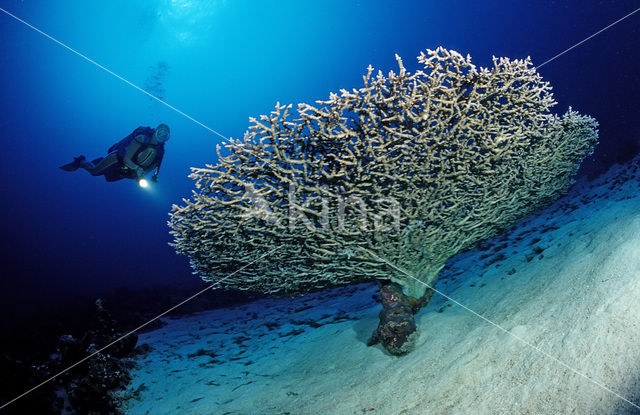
307	322
299	309
36	343
496	258
537	250
294	332
240	339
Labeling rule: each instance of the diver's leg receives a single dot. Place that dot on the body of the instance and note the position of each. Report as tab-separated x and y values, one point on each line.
98	166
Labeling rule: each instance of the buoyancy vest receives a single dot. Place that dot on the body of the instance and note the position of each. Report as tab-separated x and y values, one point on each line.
148	155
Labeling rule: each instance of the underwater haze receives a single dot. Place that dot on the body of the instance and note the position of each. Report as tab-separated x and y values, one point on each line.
221	62
73	77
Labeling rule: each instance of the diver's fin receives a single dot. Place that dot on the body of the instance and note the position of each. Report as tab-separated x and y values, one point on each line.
75	165
70	167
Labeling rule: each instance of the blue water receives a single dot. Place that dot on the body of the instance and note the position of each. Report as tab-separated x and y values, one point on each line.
221	62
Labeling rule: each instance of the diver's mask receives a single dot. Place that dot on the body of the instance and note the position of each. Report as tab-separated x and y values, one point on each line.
161	134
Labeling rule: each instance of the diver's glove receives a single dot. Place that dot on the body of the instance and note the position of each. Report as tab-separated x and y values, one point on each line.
139	172
154	178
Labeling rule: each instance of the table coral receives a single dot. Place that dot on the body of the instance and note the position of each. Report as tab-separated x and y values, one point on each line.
413	167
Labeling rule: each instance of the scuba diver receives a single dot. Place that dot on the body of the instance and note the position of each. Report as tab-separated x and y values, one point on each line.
131	158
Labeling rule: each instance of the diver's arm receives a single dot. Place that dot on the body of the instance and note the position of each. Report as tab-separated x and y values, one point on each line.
155	175
131	151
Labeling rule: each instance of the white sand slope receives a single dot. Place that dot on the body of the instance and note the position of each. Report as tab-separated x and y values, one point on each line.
566	281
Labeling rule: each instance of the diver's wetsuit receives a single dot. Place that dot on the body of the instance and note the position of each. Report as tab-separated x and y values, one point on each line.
134	156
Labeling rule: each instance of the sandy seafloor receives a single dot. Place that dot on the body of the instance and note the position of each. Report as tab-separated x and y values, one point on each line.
566	281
